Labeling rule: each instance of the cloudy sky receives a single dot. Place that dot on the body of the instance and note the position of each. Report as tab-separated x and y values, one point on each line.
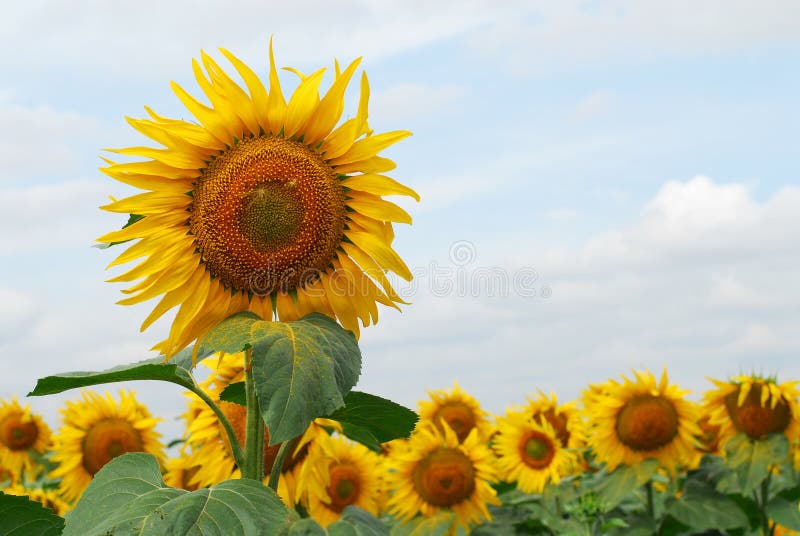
605	185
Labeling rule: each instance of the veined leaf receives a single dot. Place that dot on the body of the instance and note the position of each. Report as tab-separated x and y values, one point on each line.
20	516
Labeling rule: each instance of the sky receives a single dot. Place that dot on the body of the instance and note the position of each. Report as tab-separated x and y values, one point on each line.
606	186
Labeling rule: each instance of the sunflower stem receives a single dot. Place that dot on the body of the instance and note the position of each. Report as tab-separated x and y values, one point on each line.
253	466
651	508
277	465
762	501
236	448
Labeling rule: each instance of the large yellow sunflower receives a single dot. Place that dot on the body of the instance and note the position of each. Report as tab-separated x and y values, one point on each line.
640	419
460	410
97	429
21	433
436	472
530	452
338	473
47	497
264	206
754	406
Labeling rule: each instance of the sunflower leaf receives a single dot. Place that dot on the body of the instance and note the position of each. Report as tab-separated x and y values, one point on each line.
702	508
383	419
129	496
234	393
752	459
353	522
783	509
20	516
176	370
302	369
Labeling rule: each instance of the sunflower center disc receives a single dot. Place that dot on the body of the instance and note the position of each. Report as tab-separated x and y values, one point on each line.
647	422
559	424
458	416
344	487
17	433
108	439
444	477
536	450
267	215
754	419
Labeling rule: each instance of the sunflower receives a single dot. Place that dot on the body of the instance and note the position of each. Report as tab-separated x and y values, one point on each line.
530	452
640	419
338	473
21	434
96	430
438	471
754	406
264	206
179	472
458	409
47	497
564	419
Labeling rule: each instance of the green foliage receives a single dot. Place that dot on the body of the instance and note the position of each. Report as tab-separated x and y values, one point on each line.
702	508
372	420
751	460
354	522
614	487
302	369
234	393
129	496
783	508
176	370
20	516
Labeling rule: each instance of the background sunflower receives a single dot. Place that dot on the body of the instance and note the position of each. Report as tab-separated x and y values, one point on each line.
21	434
95	430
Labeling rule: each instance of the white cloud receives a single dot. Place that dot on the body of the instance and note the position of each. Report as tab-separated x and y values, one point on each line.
16	310
593	105
546	36
136	39
406	101
40	140
52	216
703	282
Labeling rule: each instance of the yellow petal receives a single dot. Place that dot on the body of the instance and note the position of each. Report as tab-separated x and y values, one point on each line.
376	164
330	107
384	255
375	207
276	111
258	92
302	104
370	146
378	185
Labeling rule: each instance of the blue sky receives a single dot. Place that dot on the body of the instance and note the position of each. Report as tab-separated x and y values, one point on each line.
641	157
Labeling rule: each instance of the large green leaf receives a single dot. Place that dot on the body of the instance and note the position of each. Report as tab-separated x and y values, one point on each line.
619	484
176	370
128	496
302	369
369	417
751	459
702	508
20	516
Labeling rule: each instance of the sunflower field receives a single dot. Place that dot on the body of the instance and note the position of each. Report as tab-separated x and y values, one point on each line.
262	226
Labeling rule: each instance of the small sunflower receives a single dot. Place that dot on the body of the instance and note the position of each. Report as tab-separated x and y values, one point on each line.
48	498
21	433
264	206
339	473
564	419
97	429
530	452
753	406
458	409
640	419
437	471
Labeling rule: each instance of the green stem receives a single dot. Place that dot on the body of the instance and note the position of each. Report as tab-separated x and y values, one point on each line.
277	465
238	455
651	508
762	501
253	466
